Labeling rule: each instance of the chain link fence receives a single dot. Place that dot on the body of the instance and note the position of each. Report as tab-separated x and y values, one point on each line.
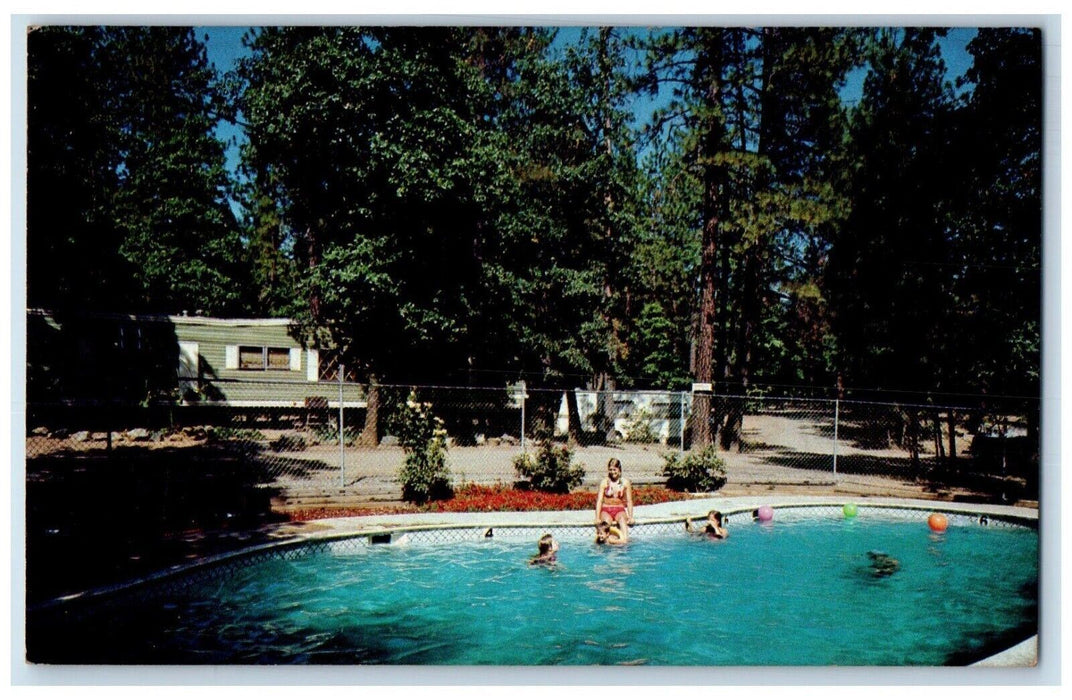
339	439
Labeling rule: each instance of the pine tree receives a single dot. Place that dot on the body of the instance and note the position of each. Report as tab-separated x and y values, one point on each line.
122	122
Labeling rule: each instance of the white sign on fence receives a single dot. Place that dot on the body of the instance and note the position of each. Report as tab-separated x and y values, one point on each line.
517	393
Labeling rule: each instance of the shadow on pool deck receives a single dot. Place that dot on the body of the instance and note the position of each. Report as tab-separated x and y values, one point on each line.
97	517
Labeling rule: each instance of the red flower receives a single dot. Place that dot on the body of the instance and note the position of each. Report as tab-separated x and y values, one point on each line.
478	498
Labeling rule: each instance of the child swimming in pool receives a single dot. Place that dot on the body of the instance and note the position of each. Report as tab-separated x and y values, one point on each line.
713	528
548	554
608	534
882	564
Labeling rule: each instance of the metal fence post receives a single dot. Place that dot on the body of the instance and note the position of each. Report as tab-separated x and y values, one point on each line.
837	406
681	431
342	432
524	395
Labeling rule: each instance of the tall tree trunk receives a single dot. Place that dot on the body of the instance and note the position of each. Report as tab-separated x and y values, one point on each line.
913	439
609	238
605	412
314	261
939	446
370	434
701	400
712	282
1033	437
952	418
574	418
731	432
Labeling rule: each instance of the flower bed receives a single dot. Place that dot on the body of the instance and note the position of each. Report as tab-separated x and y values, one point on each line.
476	498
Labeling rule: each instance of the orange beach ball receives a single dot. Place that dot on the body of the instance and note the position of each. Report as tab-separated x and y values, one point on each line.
938	522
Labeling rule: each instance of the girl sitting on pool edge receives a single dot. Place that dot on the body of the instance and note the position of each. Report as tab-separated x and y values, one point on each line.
614	500
713	528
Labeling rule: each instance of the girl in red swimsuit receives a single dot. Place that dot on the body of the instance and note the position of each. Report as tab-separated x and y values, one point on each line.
614	503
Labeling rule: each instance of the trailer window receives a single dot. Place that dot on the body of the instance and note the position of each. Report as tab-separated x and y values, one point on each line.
250	357
278	358
261	358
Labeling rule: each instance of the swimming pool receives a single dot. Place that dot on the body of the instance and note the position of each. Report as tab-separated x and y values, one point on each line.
798	591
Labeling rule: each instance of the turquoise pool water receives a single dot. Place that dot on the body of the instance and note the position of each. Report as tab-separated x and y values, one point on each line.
788	593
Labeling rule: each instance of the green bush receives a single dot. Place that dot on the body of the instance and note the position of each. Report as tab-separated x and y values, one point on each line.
701	472
424	474
328	433
551	470
639	428
226	433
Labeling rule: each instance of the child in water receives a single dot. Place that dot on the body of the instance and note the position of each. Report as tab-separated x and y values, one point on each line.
548	553
713	528
882	564
608	534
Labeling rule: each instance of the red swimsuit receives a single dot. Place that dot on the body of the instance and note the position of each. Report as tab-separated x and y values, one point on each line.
613	510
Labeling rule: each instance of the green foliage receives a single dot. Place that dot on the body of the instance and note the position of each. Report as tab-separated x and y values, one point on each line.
744	178
996	213
933	282
457	197
424	473
437	201
657	344
700	471
225	433
892	310
551	469
122	127
328	432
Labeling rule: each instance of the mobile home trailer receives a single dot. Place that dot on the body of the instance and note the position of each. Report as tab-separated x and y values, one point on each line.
632	416
185	360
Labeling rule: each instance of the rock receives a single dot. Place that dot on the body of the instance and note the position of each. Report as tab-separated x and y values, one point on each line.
80	436
389	441
138	434
509	440
39	431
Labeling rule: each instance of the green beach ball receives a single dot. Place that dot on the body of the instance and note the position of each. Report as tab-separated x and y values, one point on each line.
849	509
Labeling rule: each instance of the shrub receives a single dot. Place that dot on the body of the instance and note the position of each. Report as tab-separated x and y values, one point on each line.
640	429
700	471
329	433
424	474
227	433
551	470
288	443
